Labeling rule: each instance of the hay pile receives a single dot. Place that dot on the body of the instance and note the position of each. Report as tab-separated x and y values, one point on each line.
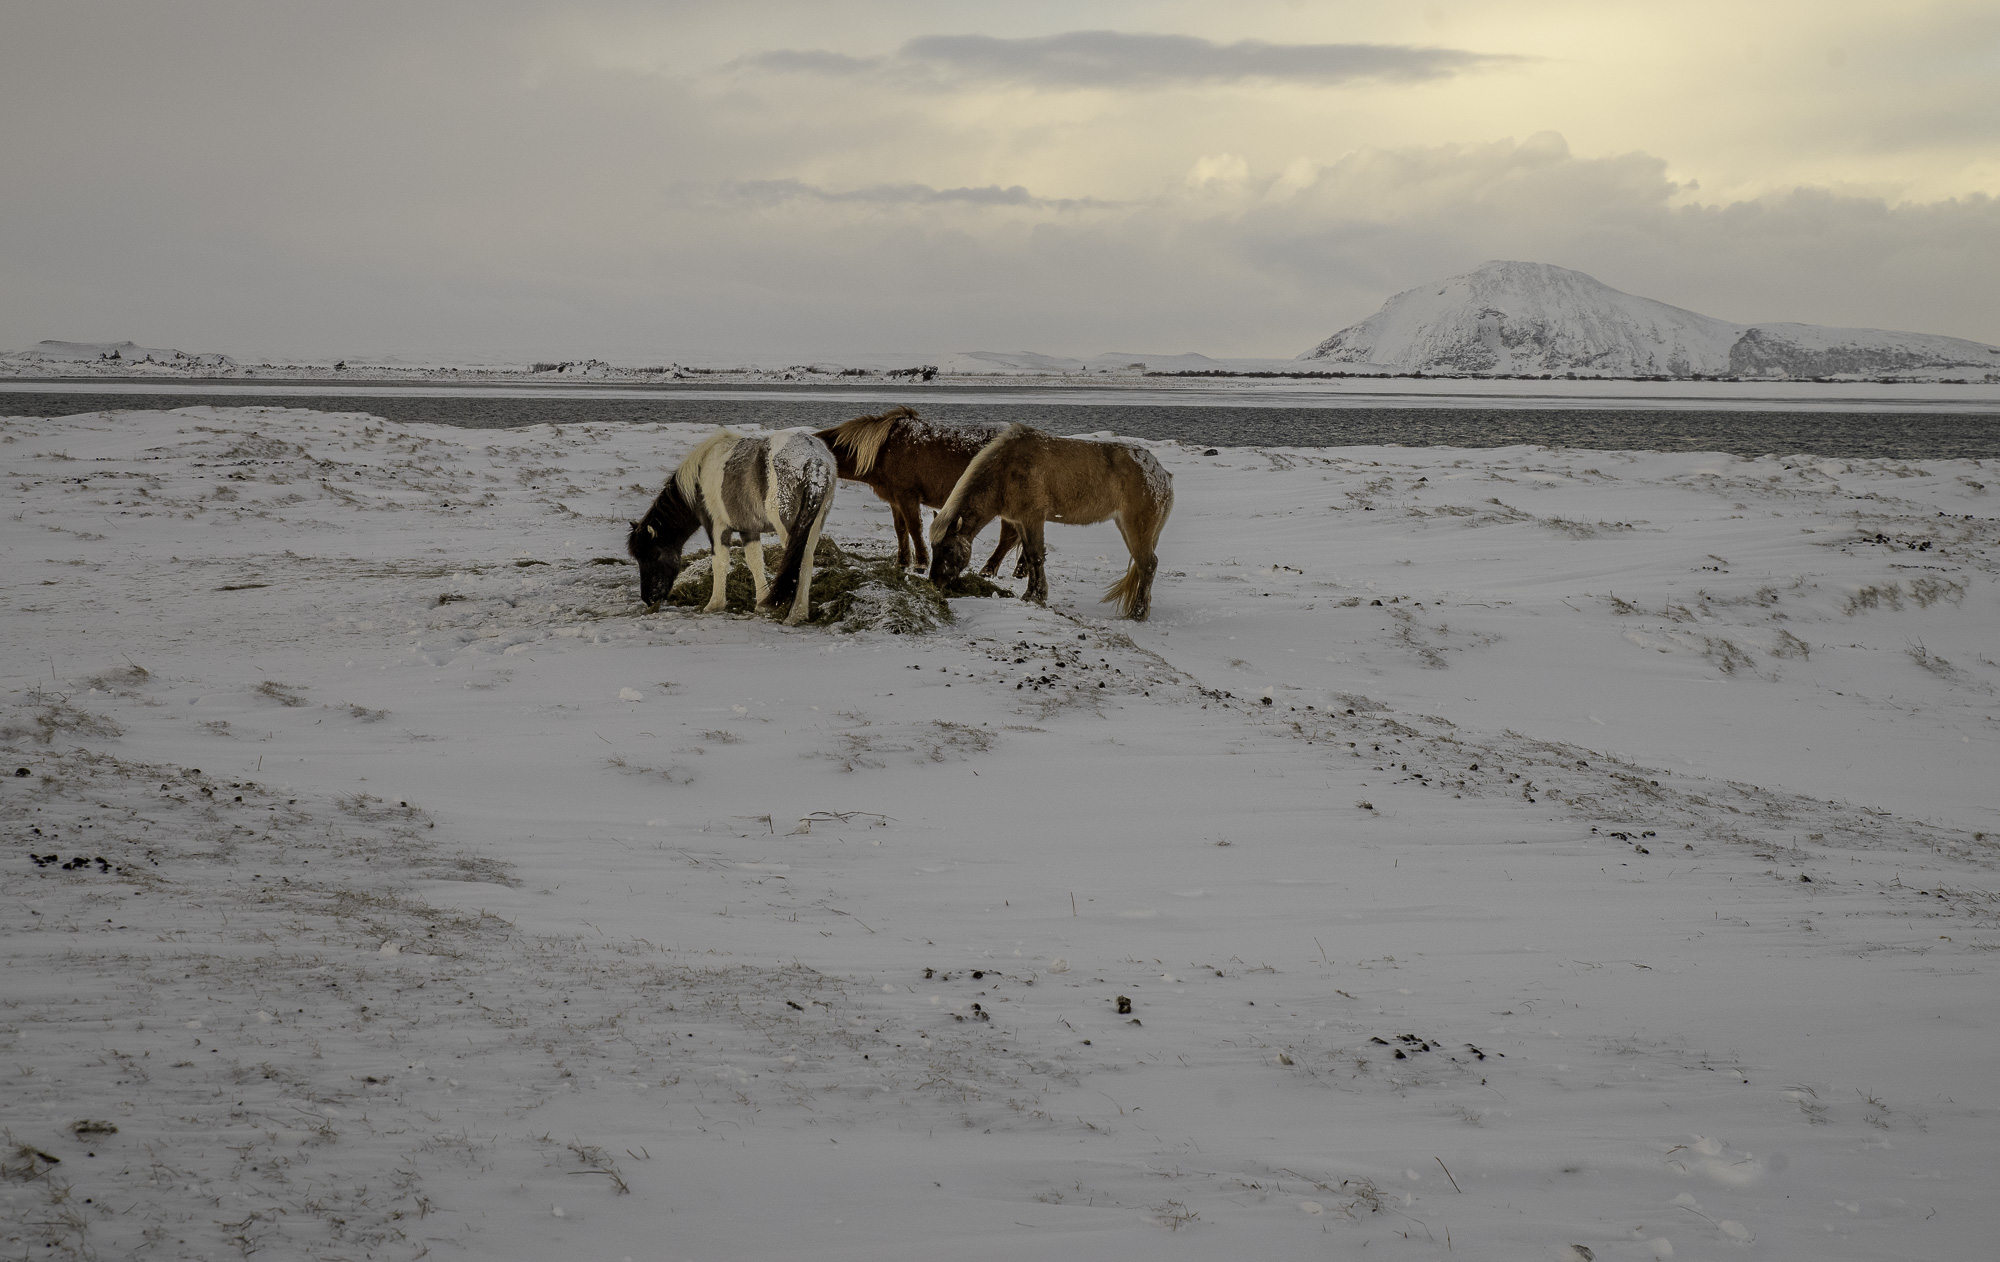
849	592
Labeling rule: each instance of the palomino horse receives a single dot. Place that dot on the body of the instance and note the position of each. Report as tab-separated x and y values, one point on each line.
731	484
909	462
1026	477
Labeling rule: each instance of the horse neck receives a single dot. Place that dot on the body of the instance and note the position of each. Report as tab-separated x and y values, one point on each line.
672	518
979	505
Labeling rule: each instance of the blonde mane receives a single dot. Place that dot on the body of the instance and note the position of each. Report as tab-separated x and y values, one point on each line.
687	477
1015	433
864	435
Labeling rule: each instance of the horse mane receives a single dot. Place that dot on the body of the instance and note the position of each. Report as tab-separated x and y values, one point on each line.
975	472
864	435
667	524
687	477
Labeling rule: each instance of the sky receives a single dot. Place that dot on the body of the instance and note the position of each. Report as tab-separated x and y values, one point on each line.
666	181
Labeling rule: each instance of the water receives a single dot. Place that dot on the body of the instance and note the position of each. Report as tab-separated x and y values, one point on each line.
1848	433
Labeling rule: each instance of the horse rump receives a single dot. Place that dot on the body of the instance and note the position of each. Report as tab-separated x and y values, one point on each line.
801	537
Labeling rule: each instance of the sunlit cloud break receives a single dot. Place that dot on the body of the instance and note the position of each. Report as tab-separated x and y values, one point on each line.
1115	59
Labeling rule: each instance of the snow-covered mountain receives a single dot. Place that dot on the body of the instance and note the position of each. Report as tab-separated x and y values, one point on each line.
1511	318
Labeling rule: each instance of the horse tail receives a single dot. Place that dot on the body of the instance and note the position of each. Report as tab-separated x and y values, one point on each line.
815	499
1125	591
975	473
862	438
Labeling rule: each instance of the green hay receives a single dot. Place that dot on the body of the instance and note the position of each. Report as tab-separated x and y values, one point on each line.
850	592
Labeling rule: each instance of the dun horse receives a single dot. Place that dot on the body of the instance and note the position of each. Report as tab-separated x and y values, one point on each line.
1027	477
910	462
733	485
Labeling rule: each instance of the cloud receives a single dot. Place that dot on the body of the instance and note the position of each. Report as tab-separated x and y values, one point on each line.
1247	262
395	194
1116	59
778	192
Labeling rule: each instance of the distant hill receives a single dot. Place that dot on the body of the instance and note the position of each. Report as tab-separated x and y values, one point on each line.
1531	319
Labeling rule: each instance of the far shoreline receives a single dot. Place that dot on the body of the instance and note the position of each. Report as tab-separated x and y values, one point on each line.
1103	389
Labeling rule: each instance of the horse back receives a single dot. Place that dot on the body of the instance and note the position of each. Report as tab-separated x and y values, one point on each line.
1081	481
928	458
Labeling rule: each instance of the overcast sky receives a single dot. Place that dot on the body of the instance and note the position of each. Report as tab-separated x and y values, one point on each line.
661	180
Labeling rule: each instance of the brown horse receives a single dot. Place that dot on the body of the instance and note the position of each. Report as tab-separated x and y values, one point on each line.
909	462
1027	477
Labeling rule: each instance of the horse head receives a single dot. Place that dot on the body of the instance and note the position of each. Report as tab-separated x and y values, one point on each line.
659	561
949	556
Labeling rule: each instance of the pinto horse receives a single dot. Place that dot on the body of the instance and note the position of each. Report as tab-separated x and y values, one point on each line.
910	462
1027	477
741	486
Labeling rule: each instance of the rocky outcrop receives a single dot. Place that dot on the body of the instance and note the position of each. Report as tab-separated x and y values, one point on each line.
1807	350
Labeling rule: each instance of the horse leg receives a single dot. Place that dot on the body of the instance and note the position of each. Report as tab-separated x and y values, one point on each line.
719	564
1008	538
910	523
753	556
903	533
1137	585
1033	556
802	602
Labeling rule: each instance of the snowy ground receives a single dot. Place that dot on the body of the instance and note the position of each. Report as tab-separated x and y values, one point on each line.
449	901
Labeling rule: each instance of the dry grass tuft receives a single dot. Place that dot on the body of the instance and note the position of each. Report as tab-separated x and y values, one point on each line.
849	591
283	694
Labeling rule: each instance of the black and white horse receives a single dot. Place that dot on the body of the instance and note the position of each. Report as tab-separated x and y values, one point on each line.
741	486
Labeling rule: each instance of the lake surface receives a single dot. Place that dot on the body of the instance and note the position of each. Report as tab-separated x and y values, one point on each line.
1838	428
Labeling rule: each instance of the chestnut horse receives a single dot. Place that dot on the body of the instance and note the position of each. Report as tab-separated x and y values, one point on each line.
909	462
1027	477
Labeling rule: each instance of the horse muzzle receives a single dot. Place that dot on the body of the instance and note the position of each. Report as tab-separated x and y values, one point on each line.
948	561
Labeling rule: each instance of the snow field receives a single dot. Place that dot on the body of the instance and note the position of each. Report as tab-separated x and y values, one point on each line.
721	946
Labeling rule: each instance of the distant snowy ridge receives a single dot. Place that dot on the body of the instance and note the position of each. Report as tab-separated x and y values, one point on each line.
55	352
1530	319
118	359
1033	363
